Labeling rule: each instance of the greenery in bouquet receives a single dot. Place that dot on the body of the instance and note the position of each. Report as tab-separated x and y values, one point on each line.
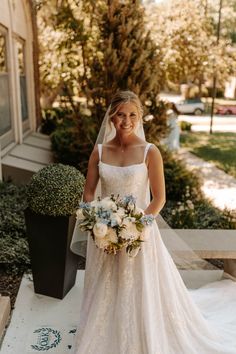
114	223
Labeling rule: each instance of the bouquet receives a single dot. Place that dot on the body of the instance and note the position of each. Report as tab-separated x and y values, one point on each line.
114	223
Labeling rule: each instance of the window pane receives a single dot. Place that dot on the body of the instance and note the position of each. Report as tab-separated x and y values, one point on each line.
5	113
21	70
20	56
3	66
23	95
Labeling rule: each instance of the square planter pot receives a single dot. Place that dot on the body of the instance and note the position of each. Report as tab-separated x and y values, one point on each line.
54	266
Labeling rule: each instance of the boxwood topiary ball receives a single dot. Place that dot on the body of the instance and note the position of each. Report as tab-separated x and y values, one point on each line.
55	190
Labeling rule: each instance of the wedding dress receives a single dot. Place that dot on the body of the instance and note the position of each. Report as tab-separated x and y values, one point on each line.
140	305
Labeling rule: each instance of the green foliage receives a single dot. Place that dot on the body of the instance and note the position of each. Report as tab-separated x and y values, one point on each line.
55	190
186	31
178	178
53	118
185	125
14	256
97	49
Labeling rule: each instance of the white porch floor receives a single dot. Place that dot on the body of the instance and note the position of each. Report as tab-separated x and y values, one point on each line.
40	323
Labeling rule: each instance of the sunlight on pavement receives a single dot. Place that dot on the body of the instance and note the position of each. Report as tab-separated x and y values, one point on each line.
216	184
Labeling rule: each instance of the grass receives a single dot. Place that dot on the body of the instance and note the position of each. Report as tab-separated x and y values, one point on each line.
219	148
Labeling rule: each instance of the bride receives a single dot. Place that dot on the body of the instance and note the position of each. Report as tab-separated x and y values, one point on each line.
140	305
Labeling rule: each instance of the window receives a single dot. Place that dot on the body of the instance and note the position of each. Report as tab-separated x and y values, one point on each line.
5	111
22	77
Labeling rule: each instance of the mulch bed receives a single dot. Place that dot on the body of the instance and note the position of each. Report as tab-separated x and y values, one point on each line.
9	285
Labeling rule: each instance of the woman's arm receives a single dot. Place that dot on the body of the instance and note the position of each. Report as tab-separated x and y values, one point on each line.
157	181
92	176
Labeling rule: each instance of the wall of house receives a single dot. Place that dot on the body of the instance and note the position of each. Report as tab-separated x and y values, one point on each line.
17	84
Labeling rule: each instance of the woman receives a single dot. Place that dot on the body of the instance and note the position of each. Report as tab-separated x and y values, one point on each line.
140	305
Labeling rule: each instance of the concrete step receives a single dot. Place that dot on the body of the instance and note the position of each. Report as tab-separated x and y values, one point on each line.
31	153
23	160
19	171
38	142
5	309
194	279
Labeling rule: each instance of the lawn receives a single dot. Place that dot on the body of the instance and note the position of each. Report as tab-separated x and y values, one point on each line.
219	148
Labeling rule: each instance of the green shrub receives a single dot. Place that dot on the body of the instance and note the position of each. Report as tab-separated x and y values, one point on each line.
185	125
52	118
55	190
14	255
178	179
69	149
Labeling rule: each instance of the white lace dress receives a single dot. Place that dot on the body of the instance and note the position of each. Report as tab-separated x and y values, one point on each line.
140	305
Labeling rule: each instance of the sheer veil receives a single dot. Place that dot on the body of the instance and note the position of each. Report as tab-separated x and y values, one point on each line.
182	254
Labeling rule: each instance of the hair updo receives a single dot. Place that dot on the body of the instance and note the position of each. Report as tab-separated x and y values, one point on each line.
122	97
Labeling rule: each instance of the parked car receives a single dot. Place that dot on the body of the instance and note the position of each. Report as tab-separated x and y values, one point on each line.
226	109
191	106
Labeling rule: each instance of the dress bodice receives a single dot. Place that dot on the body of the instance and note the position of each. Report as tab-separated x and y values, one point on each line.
125	180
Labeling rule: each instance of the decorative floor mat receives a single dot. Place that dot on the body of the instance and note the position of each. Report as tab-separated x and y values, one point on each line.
50	339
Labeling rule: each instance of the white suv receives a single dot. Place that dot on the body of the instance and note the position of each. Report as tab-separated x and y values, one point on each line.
190	105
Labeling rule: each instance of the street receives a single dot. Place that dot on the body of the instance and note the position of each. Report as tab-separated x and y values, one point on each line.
221	123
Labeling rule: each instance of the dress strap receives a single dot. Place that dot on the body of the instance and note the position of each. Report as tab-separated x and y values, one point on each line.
100	151
146	151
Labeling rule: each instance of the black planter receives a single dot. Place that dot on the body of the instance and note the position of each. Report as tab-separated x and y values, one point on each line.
54	266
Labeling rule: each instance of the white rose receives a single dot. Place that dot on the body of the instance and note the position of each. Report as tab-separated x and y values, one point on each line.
95	204
79	214
120	212
100	230
108	204
111	235
116	219
102	242
130	231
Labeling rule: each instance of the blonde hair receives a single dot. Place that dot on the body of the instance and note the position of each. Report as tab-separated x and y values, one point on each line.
122	97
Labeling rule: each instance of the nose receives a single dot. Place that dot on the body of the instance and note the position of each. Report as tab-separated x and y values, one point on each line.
126	119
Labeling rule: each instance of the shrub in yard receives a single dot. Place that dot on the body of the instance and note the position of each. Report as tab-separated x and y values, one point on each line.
52	118
185	125
14	255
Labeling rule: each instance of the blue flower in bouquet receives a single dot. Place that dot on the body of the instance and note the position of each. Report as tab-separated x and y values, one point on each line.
103	214
103	221
147	219
84	205
129	201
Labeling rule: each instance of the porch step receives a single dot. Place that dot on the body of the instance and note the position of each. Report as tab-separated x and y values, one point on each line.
5	309
194	279
23	160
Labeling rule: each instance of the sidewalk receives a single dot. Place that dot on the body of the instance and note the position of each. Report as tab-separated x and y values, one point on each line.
216	184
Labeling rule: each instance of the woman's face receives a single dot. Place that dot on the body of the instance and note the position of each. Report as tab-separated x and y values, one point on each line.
126	119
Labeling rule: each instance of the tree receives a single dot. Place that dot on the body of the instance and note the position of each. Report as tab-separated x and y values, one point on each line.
189	40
